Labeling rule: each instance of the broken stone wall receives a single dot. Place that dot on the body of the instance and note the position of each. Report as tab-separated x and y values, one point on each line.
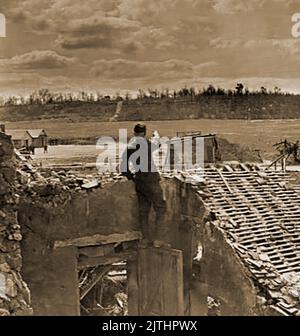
63	214
14	293
51	272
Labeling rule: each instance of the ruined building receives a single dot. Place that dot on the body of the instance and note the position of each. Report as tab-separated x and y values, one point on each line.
234	233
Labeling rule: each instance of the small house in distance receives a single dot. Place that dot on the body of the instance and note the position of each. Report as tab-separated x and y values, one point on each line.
20	138
32	138
203	146
38	138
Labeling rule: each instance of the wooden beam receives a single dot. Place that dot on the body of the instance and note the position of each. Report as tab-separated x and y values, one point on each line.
105	260
274	163
98	239
96	251
87	289
224	180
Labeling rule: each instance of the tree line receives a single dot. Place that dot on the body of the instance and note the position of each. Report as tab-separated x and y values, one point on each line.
45	96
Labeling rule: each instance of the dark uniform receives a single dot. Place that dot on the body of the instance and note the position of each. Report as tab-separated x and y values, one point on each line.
148	188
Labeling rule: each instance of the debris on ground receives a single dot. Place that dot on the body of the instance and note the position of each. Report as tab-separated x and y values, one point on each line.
103	291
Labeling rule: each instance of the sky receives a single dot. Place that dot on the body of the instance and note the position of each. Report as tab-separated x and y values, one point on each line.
123	45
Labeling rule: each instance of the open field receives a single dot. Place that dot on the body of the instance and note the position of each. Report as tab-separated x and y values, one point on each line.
66	155
258	134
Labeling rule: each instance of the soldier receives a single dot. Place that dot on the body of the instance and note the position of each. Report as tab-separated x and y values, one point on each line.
139	155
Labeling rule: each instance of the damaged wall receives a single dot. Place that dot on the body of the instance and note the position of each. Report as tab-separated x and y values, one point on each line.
218	283
14	293
50	214
62	215
220	276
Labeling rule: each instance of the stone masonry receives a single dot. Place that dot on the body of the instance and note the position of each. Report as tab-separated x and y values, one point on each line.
14	293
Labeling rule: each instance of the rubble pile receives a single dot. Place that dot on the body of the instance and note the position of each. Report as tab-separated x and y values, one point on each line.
115	297
234	152
14	293
55	188
259	214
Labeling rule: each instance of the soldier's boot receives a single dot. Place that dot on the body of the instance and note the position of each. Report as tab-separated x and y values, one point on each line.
160	243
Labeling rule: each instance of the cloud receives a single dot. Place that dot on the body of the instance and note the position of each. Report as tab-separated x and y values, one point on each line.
126	69
95	32
88	42
240	6
275	46
288	47
36	59
141	9
116	24
26	83
99	24
292	46
233	6
220	43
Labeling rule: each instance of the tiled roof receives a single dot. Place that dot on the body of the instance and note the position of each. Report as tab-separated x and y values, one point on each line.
21	134
259	213
35	133
17	134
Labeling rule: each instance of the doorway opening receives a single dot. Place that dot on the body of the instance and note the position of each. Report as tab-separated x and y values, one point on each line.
103	278
103	290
